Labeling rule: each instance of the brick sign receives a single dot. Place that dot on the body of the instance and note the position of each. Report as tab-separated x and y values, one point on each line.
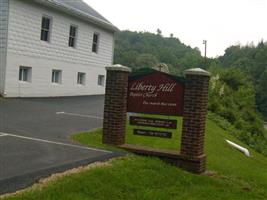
154	101
155	93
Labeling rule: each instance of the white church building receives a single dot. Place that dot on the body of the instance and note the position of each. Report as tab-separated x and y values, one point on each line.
53	48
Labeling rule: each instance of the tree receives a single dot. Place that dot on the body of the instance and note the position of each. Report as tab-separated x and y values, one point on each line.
131	49
159	32
234	78
252	60
146	60
262	94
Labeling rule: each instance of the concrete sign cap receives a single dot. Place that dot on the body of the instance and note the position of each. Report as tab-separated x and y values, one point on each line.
197	71
118	67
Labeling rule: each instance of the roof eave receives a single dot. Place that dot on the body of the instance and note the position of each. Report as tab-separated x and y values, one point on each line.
84	16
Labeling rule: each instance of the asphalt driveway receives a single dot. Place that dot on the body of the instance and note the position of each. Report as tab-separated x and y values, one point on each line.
39	117
34	137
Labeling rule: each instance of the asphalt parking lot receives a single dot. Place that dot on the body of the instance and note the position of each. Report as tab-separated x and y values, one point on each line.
35	137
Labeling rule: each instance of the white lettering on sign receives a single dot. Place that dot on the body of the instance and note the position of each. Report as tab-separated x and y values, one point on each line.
140	86
166	87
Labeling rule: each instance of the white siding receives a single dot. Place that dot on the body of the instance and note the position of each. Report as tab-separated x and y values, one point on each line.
26	49
41	82
3	41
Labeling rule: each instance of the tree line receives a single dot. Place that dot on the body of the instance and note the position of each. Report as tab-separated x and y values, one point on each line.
252	61
144	49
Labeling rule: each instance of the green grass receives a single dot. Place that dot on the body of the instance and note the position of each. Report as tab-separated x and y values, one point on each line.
135	177
156	142
94	139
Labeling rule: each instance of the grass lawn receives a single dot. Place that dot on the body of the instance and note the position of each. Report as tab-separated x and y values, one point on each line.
155	142
233	176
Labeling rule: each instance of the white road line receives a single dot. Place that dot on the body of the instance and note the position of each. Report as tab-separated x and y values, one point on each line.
78	115
52	142
2	135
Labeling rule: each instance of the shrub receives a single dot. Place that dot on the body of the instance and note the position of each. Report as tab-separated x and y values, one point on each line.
232	100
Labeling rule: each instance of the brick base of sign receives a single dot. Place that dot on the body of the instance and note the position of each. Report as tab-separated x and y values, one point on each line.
195	102
196	165
191	165
115	105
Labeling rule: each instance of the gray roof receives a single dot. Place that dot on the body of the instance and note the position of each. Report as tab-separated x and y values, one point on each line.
81	6
80	9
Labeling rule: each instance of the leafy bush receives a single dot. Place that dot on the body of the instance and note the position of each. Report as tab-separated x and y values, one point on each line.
232	100
251	59
257	142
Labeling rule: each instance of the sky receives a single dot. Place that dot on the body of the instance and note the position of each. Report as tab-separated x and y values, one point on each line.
221	22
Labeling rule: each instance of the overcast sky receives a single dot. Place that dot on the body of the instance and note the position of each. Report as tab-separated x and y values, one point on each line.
221	22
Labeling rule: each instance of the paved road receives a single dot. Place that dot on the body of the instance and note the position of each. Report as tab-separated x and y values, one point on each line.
34	137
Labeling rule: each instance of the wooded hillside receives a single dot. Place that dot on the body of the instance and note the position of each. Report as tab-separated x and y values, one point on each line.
146	49
252	60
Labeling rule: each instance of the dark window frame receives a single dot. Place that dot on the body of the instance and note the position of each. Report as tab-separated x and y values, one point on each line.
25	74
101	80
95	45
81	78
46	26
54	78
73	36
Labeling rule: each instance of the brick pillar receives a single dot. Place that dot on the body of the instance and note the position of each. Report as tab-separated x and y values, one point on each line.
194	119
115	105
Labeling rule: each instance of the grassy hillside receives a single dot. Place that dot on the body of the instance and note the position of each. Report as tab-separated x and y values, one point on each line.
231	175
